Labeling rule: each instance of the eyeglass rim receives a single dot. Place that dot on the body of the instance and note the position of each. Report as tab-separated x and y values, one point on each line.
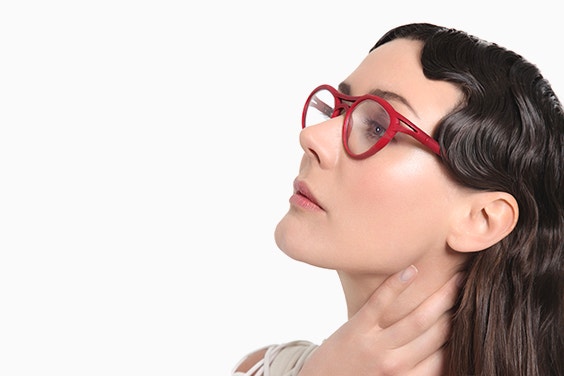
395	119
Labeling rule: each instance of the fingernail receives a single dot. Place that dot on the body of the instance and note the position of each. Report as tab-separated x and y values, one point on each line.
408	273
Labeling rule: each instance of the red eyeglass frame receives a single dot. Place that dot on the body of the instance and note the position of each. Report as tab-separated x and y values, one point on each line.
395	119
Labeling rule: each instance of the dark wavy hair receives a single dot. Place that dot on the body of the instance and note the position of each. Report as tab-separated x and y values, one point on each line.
507	135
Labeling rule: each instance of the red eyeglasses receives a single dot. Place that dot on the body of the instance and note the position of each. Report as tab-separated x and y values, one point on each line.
370	122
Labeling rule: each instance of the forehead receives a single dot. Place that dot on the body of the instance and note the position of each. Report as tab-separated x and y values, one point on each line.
396	67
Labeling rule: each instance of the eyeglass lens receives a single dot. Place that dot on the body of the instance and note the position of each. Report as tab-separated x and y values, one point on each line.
367	122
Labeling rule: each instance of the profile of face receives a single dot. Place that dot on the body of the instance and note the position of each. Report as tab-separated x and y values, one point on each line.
392	209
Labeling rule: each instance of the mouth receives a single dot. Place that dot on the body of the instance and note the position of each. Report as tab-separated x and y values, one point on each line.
303	197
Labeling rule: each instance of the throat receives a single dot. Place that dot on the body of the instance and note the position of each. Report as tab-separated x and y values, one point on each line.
358	289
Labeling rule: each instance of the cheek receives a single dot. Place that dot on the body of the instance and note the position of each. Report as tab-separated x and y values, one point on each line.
399	209
375	208
394	191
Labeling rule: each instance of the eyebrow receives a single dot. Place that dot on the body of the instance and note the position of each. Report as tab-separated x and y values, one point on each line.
345	88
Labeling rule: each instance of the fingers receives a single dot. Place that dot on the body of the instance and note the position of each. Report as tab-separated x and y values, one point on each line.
431	313
430	342
387	293
412	346
434	306
416	341
433	365
421	356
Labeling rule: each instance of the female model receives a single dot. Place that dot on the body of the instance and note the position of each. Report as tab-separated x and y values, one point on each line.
432	178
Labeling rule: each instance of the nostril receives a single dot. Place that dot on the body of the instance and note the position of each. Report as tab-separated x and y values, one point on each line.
313	152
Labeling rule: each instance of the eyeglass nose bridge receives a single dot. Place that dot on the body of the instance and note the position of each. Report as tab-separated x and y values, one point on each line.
341	108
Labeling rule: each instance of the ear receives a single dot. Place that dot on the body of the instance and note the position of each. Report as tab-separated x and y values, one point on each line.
485	219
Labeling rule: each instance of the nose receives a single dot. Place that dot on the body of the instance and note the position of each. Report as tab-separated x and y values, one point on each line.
322	142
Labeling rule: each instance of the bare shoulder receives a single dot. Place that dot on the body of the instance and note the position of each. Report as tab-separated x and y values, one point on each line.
251	359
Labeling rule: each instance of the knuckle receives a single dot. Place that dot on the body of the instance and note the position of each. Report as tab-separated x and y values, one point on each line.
420	320
391	366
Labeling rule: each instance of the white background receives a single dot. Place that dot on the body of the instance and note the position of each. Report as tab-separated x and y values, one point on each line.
147	150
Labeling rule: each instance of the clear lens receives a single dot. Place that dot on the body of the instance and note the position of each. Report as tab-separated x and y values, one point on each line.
320	107
368	123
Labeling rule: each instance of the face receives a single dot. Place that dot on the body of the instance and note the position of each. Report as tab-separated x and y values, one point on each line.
385	212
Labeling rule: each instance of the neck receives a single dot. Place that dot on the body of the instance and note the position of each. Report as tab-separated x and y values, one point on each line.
358	287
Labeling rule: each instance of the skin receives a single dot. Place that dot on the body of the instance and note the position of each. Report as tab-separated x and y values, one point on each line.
394	226
410	346
396	208
363	346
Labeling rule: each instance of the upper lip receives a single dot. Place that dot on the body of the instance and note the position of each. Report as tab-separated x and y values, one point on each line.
301	188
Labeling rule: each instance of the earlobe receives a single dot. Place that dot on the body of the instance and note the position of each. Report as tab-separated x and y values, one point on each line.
487	218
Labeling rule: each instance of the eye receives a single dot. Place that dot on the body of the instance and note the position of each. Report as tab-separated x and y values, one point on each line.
374	128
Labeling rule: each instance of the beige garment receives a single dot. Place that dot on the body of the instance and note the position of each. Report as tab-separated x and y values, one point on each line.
281	360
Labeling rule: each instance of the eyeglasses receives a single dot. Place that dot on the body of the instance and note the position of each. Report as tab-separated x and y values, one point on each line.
370	122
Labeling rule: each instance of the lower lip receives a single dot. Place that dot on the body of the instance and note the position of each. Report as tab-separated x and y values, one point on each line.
304	202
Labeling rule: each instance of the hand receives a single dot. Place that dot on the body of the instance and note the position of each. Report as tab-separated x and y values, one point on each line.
412	346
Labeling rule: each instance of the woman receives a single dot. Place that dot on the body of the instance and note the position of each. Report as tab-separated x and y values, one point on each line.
380	200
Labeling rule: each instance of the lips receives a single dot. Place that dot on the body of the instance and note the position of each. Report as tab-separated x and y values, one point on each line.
303	196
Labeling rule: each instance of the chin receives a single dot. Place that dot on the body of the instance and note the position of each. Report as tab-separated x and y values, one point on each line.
288	241
296	245
281	238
